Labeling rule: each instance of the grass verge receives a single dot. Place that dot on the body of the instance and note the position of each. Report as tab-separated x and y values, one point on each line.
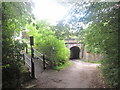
90	61
67	64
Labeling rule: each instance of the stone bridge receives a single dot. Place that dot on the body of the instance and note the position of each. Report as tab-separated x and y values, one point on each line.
76	48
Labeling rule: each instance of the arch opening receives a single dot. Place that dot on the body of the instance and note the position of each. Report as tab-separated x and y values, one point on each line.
74	52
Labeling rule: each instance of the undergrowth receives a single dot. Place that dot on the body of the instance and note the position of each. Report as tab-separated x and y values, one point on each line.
67	64
90	61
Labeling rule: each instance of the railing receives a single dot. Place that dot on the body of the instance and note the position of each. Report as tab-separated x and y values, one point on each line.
27	59
34	54
41	57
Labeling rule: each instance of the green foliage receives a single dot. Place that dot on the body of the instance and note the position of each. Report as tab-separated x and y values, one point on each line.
14	16
110	70
62	31
90	61
45	41
102	37
12	69
67	64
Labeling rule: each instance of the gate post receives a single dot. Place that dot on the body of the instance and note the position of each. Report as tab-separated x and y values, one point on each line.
32	55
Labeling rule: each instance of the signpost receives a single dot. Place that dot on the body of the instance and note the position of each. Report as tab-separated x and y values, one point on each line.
32	56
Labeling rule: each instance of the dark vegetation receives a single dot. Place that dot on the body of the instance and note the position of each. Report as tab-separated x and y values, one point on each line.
14	18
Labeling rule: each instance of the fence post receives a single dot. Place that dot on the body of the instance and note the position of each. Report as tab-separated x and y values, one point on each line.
26	49
83	50
24	58
23	48
53	62
32	55
44	62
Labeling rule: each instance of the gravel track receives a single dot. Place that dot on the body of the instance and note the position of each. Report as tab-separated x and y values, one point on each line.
79	75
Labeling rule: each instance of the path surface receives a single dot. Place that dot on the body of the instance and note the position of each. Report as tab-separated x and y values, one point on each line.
79	75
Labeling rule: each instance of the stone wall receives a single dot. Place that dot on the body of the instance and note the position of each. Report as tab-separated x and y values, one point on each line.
92	56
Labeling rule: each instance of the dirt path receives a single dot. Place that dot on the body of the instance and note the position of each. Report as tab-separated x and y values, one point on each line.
79	75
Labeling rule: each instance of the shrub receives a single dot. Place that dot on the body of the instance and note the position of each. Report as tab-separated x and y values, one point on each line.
12	66
45	41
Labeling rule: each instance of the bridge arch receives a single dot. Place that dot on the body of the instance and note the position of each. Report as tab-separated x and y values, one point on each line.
74	52
71	44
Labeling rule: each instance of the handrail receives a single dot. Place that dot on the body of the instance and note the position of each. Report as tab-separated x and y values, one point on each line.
38	57
29	49
38	52
27	57
41	59
35	53
27	64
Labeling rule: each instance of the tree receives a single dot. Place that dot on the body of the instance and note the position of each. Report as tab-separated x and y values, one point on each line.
102	37
61	31
14	17
75	16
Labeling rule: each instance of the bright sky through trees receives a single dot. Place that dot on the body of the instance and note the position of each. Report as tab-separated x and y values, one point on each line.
49	10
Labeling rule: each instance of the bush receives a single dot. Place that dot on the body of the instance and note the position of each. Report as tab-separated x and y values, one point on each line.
12	66
15	15
106	42
110	70
45	41
61	53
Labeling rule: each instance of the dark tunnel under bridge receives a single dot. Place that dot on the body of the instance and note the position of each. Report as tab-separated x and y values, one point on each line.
74	52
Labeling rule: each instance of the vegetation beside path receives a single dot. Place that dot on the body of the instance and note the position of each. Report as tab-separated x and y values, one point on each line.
67	64
91	61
